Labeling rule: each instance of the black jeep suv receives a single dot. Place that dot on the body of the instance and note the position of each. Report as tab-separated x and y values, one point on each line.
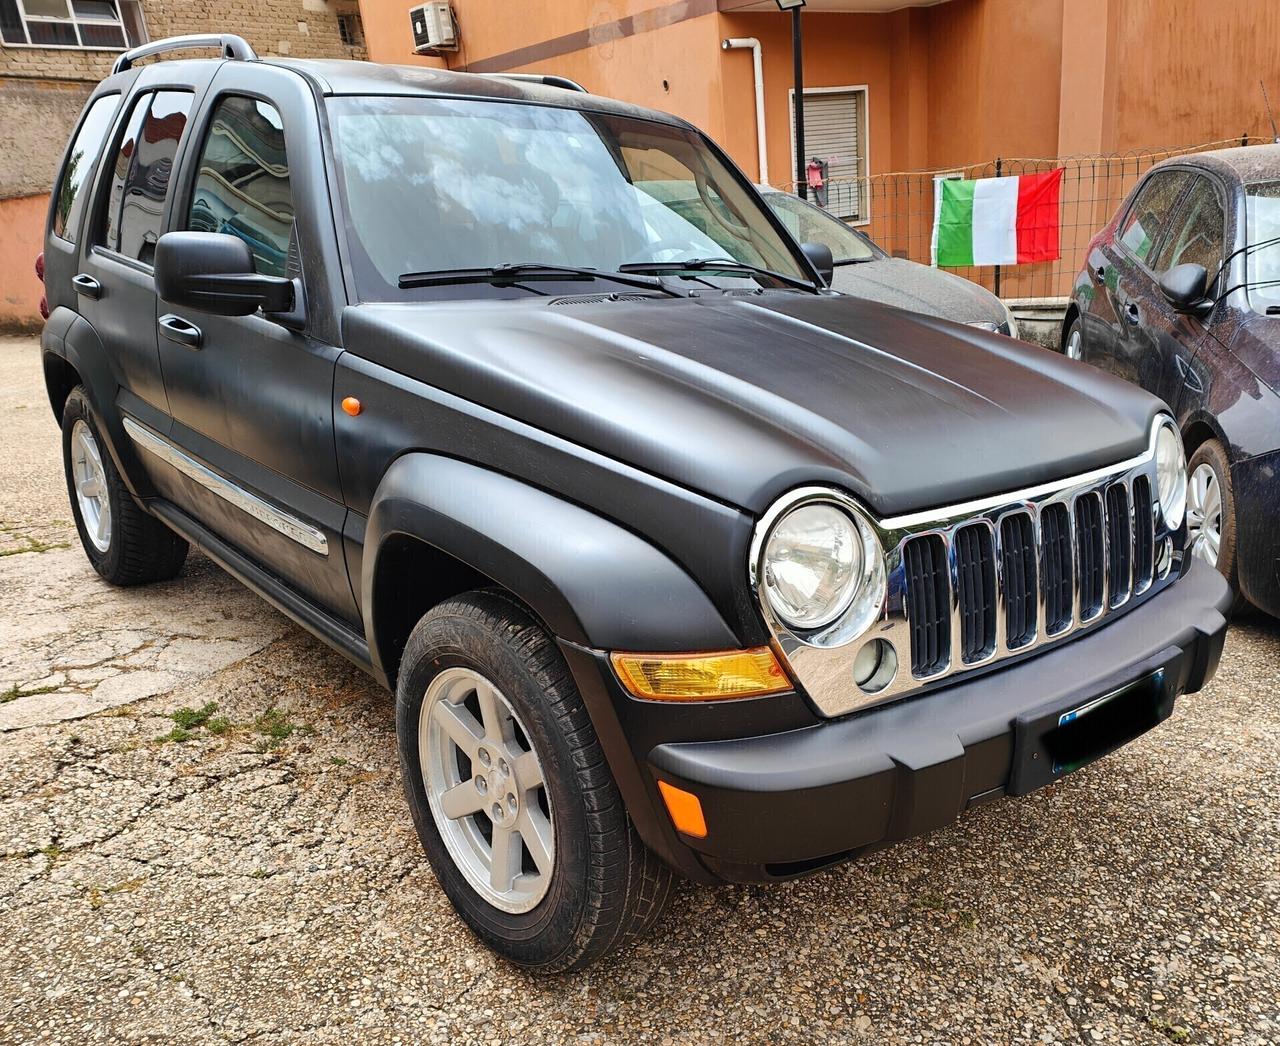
673	558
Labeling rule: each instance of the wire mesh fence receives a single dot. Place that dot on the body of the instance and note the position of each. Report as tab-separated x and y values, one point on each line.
897	210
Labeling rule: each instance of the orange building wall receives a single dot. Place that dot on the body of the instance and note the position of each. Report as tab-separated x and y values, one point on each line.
1187	71
21	239
675	69
840	51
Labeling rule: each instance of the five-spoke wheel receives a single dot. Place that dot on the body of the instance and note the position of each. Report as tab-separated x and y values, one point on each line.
486	789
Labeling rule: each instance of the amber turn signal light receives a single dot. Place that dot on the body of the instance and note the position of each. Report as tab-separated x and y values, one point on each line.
351	405
685	810
701	677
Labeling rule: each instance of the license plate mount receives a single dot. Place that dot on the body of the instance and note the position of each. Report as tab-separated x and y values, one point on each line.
1051	742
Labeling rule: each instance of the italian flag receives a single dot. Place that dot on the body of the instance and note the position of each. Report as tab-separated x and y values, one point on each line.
996	221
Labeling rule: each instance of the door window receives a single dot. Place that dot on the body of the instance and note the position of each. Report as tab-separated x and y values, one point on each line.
84	153
1150	213
1196	234
143	167
242	186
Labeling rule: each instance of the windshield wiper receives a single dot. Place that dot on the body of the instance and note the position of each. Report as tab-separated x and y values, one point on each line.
718	265
518	272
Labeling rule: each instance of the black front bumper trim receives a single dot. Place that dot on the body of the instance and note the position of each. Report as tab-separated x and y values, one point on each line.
844	787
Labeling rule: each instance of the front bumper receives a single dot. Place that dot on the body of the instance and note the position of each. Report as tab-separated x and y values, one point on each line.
782	804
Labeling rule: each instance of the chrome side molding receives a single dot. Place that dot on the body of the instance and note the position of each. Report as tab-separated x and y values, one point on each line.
263	511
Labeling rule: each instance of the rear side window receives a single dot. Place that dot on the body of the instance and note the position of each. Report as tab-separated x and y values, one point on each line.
242	187
1150	213
143	167
84	153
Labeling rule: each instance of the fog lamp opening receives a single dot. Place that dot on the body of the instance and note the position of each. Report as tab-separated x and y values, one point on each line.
875	666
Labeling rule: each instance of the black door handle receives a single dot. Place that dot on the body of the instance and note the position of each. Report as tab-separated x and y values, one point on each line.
87	285
176	329
1131	314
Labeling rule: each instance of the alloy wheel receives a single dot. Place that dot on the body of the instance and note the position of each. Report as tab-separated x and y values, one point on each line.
1204	514
90	480
1075	345
486	789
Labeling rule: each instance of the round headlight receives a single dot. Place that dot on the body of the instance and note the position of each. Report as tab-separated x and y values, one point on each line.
813	565
1171	475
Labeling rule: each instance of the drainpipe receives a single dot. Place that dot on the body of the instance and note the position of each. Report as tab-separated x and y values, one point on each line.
736	43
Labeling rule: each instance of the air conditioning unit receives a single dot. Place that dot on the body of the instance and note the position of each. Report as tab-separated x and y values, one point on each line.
433	28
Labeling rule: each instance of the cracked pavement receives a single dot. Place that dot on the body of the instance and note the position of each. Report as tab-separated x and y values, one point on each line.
248	873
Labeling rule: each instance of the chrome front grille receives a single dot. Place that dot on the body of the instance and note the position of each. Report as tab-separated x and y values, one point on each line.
970	585
1078	553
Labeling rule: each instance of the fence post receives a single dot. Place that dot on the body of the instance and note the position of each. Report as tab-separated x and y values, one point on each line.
997	267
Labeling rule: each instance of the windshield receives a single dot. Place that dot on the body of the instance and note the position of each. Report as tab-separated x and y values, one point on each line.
433	184
1262	270
811	224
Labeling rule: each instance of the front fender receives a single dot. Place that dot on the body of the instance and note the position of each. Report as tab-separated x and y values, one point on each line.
591	581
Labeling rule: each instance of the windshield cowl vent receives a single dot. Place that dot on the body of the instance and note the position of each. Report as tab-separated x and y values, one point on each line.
594	299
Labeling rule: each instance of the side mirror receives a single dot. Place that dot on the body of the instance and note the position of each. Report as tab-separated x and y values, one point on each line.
1184	288
213	272
819	254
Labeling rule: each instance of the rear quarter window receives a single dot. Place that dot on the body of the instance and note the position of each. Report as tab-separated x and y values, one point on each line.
85	147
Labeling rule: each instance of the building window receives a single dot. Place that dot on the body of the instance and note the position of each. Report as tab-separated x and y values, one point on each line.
349	29
835	134
108	25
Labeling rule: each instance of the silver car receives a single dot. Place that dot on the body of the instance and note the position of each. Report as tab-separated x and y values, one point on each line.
864	270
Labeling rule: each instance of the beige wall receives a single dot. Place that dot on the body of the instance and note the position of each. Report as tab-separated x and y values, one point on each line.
298	28
36	117
42	89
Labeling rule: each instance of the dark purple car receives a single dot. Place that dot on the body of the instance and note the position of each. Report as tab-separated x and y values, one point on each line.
1181	295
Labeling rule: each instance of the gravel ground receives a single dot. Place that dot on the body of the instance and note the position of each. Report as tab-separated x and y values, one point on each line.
246	871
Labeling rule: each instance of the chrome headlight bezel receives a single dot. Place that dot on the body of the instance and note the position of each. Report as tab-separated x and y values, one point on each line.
866	601
1171	466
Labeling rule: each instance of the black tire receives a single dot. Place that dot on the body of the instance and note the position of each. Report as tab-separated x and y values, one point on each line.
141	549
1212	454
606	889
1074	329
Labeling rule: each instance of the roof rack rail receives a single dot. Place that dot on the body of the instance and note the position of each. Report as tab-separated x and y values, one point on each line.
231	46
540	78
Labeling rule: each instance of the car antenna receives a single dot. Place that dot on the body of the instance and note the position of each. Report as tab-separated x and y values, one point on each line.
1275	135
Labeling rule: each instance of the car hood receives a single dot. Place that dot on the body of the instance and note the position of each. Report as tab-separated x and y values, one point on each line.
742	397
919	288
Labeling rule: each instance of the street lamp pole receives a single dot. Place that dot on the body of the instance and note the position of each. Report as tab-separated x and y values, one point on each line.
797	58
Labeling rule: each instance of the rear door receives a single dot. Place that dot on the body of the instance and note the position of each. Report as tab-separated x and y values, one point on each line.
1122	270
114	285
252	398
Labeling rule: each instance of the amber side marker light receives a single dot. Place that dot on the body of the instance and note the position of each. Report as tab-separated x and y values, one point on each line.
702	677
351	405
685	810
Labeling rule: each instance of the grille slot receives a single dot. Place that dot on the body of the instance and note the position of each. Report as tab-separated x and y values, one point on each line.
1018	565
1055	541
928	595
1119	543
1144	537
1091	565
976	586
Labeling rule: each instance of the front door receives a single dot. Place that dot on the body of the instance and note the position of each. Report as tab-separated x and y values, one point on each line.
1195	237
251	398
1135	313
